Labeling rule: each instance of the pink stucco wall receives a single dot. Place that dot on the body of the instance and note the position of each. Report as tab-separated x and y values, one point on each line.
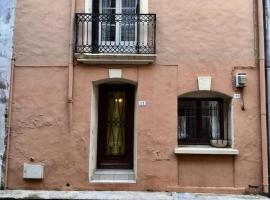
194	38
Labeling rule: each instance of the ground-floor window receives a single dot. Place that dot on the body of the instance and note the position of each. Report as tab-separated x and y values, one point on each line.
202	120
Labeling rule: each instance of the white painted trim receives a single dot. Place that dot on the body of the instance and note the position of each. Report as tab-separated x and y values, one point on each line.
114	55
143	27
231	125
113	181
143	6
93	131
205	150
88	6
135	155
114	172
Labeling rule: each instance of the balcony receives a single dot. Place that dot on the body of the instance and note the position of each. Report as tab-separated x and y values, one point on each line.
115	38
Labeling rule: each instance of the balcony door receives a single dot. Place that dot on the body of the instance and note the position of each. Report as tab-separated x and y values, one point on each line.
117	25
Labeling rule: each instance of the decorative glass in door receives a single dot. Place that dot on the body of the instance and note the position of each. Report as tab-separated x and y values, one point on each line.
115	145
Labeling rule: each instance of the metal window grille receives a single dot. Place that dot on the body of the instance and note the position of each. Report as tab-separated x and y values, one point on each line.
200	121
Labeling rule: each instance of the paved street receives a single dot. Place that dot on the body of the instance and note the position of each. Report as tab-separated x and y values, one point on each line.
24	194
188	196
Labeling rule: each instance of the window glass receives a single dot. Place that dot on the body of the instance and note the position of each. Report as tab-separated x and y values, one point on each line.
200	120
108	6
108	25
129	6
187	120
128	27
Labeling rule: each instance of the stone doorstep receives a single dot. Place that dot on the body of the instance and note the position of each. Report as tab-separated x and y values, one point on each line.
113	176
120	195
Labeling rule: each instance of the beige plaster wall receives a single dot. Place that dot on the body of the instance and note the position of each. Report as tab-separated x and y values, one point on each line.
194	38
205	33
42	32
39	124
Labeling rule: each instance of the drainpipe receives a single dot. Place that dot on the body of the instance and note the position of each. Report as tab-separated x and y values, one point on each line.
70	65
261	63
267	39
9	121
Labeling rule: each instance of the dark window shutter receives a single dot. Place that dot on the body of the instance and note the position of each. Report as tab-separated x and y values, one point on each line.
138	7
138	27
95	26
96	6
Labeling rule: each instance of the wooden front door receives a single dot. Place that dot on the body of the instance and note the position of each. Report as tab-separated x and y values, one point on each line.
115	126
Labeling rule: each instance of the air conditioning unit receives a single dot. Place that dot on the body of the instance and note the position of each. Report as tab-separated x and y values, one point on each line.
240	80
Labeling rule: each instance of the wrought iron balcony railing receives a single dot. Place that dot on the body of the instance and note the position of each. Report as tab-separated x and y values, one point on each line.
115	33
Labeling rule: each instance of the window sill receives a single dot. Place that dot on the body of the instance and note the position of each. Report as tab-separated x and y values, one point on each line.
204	150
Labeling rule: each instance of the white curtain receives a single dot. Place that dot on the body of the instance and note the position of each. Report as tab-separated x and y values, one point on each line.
214	119
182	134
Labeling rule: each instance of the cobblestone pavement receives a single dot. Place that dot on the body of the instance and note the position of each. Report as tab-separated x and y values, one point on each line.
106	195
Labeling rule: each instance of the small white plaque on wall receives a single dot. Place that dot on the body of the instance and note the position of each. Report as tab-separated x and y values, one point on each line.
33	171
115	73
142	103
204	83
237	96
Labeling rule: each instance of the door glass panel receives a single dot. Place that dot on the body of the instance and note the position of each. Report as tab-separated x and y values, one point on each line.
129	6
108	24
128	25
108	32
108	6
116	124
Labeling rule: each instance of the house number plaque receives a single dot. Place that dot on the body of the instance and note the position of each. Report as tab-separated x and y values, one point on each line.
142	103
237	96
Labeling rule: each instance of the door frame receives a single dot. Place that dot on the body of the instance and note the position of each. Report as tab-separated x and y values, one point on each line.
94	96
143	6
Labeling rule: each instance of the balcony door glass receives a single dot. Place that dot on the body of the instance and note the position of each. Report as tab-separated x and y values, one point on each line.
118	26
108	23
129	25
